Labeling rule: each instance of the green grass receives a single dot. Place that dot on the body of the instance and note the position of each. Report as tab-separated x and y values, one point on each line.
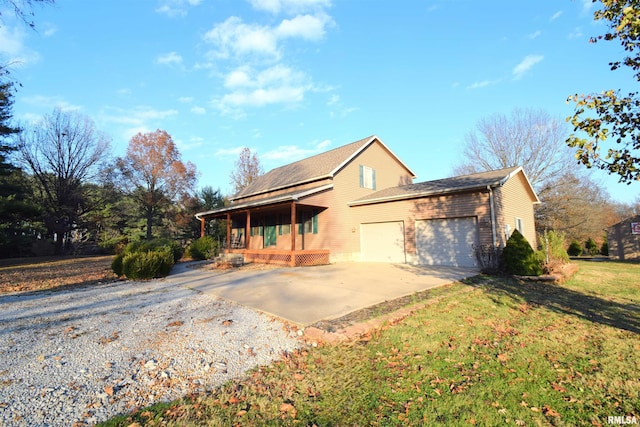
508	352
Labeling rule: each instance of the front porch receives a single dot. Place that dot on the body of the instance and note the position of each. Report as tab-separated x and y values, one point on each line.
283	234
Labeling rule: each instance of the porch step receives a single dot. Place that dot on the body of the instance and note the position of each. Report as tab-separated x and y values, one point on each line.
229	260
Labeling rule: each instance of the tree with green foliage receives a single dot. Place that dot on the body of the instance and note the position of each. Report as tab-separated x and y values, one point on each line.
575	249
612	115
17	211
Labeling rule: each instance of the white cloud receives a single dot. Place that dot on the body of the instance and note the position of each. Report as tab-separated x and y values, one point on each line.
308	27
50	102
291	153
171	58
235	37
535	35
555	16
526	64
275	85
140	119
194	142
13	52
575	34
176	8
185	99
289	6
483	83
198	110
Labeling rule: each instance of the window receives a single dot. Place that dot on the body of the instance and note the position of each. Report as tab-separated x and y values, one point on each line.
367	177
520	225
256	230
284	226
309	223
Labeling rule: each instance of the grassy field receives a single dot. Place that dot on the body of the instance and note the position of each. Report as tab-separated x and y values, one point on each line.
40	274
506	353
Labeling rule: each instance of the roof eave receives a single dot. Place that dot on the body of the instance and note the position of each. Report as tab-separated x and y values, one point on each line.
285	198
416	195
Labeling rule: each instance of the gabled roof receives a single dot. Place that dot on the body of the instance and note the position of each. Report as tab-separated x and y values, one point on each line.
320	166
476	181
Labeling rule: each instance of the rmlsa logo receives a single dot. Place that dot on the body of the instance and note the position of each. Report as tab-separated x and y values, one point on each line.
622	420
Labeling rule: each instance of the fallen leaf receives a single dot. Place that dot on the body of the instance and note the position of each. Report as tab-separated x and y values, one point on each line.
298	377
547	410
109	390
233	400
227	322
176	323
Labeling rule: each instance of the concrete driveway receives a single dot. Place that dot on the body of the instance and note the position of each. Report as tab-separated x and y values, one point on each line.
305	295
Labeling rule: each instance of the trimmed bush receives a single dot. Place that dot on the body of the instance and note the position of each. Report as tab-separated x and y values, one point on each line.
518	257
604	249
592	247
147	265
575	249
147	259
203	248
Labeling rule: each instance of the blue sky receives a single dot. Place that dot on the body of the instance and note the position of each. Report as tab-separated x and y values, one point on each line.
292	78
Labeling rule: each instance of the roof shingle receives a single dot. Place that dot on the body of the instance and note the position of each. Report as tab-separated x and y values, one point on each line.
439	186
305	170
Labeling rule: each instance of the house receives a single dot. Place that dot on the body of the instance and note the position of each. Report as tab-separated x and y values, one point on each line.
358	202
623	239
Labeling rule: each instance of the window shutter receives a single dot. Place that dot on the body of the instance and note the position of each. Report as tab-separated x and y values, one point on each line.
361	176
315	222
373	179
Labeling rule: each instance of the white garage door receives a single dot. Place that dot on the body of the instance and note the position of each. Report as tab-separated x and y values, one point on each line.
447	241
382	242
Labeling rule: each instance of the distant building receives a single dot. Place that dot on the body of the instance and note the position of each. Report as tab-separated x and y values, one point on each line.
624	239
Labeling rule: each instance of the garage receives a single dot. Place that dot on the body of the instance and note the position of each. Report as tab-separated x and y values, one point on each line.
382	242
447	241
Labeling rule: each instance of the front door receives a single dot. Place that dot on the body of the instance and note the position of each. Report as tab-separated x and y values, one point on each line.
270	233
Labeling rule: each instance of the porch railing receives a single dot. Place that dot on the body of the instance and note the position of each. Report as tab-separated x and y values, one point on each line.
284	257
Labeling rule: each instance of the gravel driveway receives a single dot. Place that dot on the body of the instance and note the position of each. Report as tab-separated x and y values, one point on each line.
84	355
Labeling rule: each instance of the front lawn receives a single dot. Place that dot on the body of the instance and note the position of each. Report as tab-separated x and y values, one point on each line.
508	352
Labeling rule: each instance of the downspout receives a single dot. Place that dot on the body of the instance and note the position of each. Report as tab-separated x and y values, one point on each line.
493	216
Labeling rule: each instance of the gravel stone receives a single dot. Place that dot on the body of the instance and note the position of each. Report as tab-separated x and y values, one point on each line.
87	354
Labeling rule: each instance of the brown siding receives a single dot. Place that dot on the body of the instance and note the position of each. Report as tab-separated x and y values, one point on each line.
623	245
514	200
338	231
450	206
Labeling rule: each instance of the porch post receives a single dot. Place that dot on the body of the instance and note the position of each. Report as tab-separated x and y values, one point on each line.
201	227
293	233
228	231
247	230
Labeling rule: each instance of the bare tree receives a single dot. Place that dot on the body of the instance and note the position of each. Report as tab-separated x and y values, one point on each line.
155	174
23	9
247	169
529	138
64	152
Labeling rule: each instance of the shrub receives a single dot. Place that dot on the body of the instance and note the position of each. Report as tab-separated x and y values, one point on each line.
575	249
147	265
203	248
518	257
116	264
147	259
604	249
591	246
552	246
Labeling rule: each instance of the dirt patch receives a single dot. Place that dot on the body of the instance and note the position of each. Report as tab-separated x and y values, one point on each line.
28	275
